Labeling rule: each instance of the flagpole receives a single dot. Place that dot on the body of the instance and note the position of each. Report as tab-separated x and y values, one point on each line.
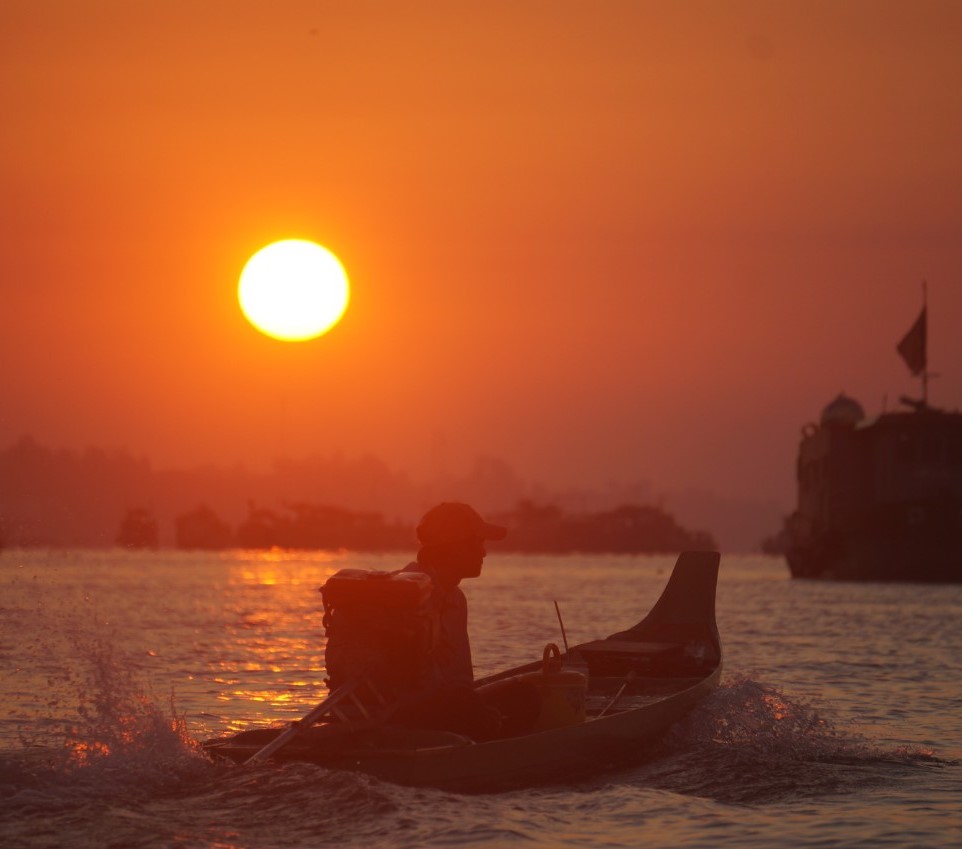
925	371
913	348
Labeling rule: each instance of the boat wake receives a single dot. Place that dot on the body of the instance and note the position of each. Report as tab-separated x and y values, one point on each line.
117	740
751	743
115	765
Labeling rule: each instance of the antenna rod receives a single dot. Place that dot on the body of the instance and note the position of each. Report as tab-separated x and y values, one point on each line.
925	343
564	637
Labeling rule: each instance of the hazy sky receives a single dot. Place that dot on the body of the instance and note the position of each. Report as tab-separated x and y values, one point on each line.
606	241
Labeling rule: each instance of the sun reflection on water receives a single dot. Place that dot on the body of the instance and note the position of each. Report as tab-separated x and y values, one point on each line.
271	663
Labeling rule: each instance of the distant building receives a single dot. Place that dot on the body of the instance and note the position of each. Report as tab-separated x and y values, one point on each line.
202	528
138	529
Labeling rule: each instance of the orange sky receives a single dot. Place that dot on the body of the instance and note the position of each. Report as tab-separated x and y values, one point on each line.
609	241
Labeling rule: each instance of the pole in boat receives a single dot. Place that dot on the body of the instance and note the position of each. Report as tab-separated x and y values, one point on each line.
628	679
564	637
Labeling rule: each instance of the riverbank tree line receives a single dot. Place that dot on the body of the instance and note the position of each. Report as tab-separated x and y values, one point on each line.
533	528
62	498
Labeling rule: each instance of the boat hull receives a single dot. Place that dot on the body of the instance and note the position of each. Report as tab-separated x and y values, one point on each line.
878	500
641	682
597	745
929	553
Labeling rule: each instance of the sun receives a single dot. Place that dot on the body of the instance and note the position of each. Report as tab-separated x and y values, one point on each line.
293	290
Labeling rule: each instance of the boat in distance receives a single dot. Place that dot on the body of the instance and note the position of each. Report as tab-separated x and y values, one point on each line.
880	499
638	683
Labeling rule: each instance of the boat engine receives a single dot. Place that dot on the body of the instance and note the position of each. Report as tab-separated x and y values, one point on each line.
381	626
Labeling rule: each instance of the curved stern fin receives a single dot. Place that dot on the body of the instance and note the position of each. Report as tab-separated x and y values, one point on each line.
686	607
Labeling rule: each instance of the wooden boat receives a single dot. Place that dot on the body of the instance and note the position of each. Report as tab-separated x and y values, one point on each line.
639	683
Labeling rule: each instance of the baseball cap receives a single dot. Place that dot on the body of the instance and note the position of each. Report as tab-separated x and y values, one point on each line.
452	521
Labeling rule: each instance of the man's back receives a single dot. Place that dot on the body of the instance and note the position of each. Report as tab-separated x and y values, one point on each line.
451	662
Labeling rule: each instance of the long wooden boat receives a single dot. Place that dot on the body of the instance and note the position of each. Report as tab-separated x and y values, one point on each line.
639	683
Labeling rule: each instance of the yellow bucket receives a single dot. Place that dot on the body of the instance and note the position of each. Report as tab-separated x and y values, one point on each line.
562	692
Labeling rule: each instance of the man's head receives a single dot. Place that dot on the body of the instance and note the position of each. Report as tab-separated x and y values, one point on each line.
452	537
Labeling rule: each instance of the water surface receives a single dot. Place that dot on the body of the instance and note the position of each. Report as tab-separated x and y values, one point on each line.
838	723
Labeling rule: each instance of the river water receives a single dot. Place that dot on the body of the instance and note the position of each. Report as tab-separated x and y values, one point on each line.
838	722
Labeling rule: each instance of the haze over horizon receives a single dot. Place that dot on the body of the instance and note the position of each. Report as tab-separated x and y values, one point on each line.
637	242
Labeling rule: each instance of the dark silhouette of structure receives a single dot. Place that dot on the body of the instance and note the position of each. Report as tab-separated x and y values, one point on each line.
138	529
880	499
202	528
305	525
628	529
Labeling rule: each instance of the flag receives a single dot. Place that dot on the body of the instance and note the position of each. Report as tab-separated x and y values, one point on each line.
913	344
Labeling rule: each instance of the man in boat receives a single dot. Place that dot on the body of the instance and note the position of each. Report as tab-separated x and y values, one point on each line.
452	540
